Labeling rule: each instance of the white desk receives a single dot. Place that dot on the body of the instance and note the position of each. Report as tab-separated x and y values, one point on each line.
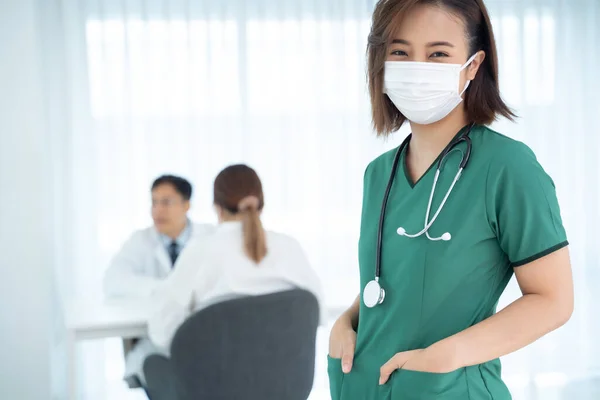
85	321
125	318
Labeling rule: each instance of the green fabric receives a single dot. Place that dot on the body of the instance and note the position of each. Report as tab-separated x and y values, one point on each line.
502	213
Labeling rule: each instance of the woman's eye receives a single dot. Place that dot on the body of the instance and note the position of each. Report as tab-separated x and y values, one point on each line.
398	53
439	54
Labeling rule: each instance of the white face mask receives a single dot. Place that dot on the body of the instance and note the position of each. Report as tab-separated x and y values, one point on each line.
424	92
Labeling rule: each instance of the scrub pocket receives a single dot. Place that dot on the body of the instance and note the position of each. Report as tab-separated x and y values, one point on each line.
413	385
336	376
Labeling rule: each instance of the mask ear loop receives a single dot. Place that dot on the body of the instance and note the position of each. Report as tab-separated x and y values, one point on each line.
469	61
465	65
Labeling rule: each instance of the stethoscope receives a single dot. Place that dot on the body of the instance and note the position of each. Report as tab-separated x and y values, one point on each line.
374	294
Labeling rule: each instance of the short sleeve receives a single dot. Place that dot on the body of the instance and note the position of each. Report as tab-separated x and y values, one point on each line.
522	206
365	189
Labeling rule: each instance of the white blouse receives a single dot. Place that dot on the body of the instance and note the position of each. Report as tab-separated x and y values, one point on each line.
214	268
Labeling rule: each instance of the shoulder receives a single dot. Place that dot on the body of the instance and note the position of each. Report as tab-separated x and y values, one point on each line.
283	242
140	241
377	170
144	236
199	247
384	161
502	150
280	238
207	238
510	161
506	156
202	229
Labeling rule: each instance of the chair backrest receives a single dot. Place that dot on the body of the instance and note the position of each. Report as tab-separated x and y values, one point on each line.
250	348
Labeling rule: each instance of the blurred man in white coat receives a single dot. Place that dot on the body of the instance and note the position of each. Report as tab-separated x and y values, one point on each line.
148	257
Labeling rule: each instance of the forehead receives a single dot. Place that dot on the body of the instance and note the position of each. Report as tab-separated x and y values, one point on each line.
427	23
164	190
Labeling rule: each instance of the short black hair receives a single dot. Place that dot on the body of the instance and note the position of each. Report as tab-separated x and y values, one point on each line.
181	185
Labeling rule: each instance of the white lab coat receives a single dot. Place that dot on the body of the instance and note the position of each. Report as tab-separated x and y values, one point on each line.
136	271
217	269
142	263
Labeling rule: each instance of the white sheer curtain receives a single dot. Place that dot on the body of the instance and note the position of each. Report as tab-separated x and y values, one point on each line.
187	87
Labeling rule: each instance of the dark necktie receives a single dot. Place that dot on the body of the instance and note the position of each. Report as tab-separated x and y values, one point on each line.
173	252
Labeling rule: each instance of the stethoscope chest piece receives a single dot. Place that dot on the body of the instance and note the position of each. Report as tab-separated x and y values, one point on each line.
373	294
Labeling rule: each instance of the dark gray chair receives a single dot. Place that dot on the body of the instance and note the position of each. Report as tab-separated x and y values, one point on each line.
251	348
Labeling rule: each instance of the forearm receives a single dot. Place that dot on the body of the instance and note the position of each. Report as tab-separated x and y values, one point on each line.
521	323
352	313
167	316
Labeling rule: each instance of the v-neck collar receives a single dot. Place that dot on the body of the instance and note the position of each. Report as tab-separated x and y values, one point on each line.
433	164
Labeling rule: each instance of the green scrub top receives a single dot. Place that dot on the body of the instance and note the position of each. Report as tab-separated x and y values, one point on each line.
503	213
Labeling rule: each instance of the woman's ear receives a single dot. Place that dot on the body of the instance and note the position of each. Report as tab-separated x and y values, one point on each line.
475	64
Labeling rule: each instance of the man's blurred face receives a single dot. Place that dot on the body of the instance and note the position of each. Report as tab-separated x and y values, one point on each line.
169	210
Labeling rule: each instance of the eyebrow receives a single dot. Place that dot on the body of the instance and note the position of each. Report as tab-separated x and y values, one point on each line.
432	44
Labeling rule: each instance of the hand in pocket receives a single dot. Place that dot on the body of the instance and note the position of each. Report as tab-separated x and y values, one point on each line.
342	342
421	360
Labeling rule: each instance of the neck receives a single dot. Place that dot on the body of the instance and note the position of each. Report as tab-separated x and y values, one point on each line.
428	141
230	218
175	233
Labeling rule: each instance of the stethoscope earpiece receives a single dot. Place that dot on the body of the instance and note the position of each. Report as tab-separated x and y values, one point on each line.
446	237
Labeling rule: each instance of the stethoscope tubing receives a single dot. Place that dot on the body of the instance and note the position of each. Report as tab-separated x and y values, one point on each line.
463	164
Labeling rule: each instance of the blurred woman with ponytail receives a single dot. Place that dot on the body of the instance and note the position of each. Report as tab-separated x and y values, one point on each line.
238	196
239	259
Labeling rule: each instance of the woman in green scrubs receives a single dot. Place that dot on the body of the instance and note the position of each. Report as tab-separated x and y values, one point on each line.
434	333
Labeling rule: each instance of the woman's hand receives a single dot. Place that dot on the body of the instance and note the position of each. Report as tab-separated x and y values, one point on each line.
342	342
430	360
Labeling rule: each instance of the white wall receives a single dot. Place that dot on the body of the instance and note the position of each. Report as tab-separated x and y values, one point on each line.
27	311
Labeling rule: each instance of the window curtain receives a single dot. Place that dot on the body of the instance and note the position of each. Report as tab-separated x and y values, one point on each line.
186	87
